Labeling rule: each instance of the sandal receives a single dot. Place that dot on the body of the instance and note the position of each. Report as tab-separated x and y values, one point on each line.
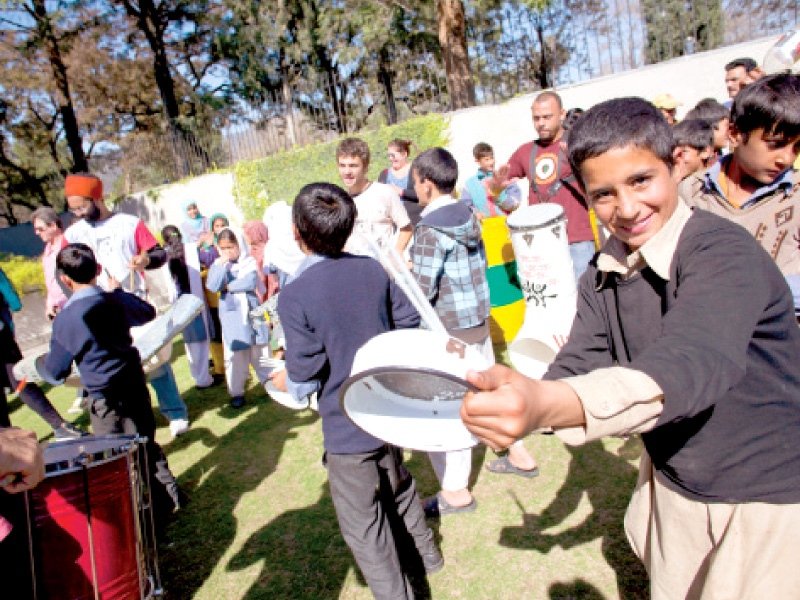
503	465
436	506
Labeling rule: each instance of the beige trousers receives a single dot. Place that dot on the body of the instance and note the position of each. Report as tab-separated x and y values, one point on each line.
700	551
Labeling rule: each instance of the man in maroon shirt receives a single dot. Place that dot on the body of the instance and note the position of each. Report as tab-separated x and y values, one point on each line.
550	177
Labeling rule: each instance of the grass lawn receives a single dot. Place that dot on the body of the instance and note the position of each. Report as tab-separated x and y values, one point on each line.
261	524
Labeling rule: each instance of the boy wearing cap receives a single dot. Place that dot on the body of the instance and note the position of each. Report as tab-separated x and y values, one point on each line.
668	106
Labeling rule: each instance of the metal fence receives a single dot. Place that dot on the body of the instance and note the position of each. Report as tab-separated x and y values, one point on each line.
512	51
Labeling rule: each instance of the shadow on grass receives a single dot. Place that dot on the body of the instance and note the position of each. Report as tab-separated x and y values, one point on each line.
608	480
303	553
577	590
239	461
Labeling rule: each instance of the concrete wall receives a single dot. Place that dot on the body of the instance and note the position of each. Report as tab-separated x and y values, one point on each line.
163	206
689	79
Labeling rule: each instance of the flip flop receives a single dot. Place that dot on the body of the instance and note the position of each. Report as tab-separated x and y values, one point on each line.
503	465
436	507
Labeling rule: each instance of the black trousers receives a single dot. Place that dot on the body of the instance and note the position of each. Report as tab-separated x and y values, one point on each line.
125	409
381	518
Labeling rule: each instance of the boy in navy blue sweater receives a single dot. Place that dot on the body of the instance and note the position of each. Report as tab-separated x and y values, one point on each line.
336	303
93	331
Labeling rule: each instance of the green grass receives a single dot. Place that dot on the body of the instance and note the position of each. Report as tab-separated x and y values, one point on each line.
261	525
25	273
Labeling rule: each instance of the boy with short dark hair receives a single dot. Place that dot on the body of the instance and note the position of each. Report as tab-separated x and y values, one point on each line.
695	140
449	263
334	305
93	331
756	185
684	333
476	194
718	116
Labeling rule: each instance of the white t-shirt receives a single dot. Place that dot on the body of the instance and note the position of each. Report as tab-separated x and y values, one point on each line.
115	241
380	214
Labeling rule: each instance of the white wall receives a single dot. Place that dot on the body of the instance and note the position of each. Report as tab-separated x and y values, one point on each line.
689	79
163	206
505	126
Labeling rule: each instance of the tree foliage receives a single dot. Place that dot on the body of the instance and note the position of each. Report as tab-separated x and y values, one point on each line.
679	27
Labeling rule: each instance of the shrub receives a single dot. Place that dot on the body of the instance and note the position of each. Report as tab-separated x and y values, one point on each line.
261	182
25	273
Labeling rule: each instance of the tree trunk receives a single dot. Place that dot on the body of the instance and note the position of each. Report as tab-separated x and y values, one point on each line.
70	122
453	40
543	70
286	93
385	77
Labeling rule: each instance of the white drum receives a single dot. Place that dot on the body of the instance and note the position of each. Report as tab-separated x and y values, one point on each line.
406	388
544	265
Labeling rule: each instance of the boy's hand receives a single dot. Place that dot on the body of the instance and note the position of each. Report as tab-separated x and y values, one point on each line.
278	379
499	181
139	262
498	415
21	460
113	283
511	405
397	189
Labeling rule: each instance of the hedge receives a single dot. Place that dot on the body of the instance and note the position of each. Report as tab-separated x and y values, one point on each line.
262	182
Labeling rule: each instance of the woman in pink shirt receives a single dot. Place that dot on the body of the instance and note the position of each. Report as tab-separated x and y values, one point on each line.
47	225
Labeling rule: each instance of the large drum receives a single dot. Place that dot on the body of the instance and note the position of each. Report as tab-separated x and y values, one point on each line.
505	296
544	266
90	535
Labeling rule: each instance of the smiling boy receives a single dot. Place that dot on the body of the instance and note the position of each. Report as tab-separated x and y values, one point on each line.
676	340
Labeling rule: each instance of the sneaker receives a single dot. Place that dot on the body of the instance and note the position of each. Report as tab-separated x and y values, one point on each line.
237	401
80	404
67	431
178	427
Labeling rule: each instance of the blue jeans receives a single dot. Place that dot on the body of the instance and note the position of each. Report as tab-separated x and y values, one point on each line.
170	402
581	253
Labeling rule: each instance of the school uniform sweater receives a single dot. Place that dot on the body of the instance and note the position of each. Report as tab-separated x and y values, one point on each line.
334	307
93	330
720	340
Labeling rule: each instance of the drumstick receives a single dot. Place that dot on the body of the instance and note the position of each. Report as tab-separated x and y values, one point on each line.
22	385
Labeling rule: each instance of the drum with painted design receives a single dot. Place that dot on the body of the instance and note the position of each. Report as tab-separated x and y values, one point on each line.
505	296
544	267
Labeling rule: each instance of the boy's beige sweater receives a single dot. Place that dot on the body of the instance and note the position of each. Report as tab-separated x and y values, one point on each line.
774	220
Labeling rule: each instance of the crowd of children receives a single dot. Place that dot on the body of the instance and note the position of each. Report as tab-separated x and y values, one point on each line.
685	330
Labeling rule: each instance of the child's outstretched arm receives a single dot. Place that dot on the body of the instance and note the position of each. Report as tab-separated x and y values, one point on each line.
511	405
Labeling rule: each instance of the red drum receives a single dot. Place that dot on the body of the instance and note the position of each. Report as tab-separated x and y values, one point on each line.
88	530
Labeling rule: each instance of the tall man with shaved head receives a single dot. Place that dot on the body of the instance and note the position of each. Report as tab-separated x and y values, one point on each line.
543	161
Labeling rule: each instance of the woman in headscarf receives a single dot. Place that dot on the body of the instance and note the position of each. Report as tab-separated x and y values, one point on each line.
217	222
195	225
256	235
235	276
183	277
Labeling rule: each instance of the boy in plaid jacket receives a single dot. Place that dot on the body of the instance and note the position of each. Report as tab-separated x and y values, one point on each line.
449	263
